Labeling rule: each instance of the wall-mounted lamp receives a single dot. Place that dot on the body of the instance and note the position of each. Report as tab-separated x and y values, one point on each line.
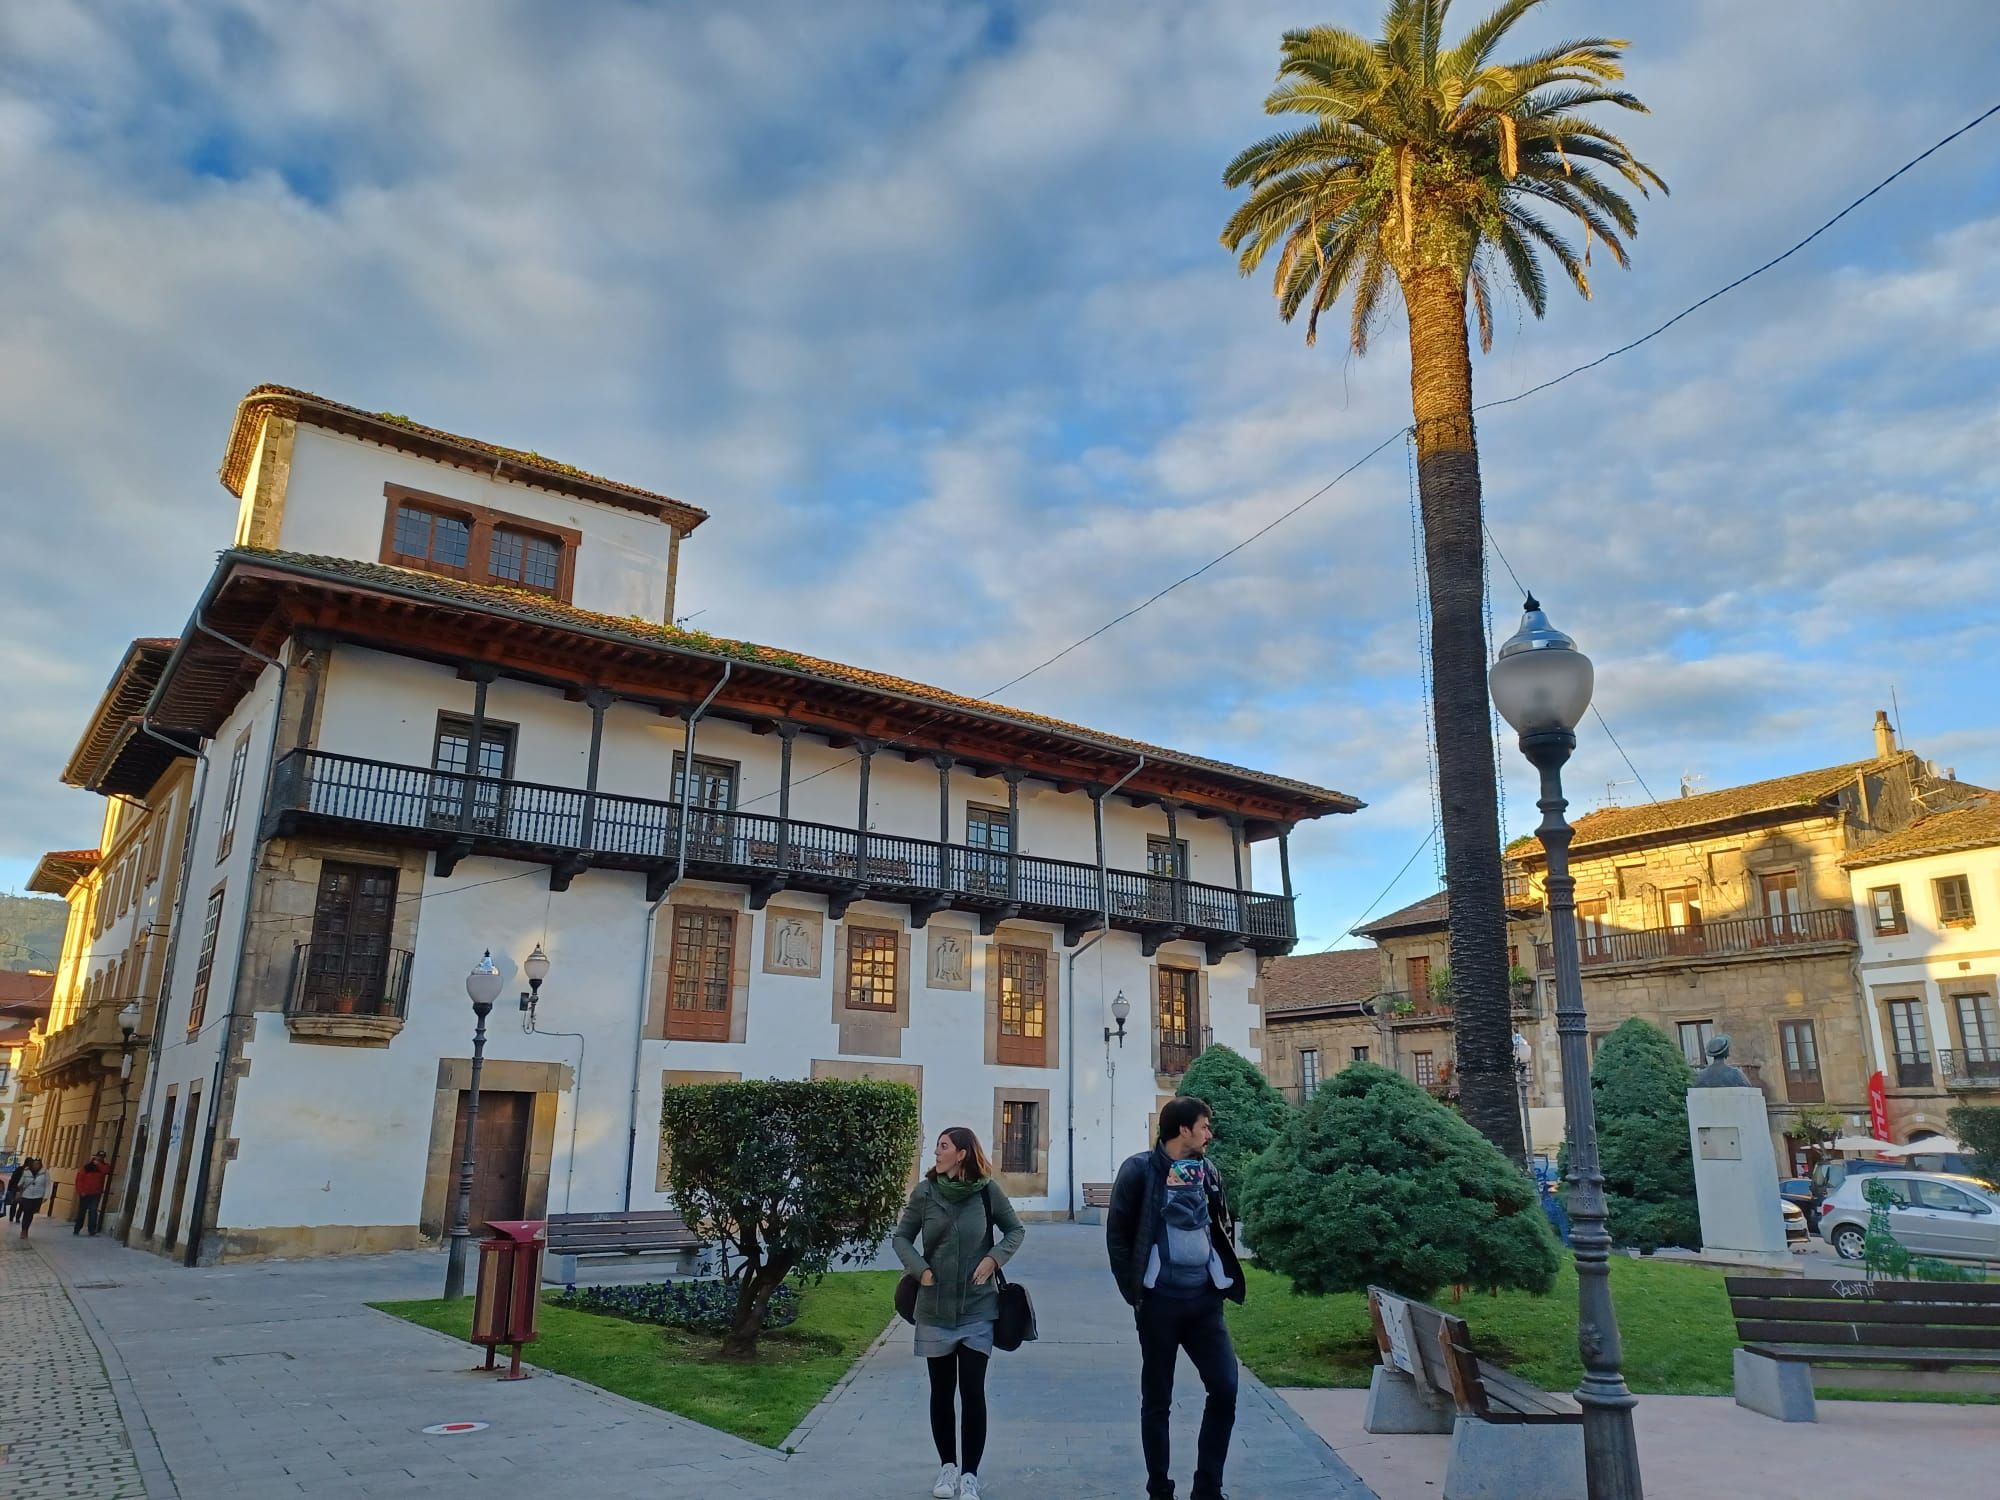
536	967
1121	1009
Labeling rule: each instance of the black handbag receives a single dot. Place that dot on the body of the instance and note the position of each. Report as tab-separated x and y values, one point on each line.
1014	1323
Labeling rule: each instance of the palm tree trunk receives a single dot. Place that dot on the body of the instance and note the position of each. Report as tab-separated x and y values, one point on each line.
1448	488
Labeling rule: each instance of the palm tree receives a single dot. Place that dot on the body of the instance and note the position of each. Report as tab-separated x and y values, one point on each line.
1441	168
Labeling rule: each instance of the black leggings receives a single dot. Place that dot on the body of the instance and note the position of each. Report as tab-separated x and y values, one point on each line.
965	1368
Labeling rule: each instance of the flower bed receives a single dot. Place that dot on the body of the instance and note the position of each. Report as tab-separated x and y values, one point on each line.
706	1306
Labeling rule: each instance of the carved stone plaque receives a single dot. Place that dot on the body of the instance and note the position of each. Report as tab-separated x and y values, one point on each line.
950	958
794	938
1720	1143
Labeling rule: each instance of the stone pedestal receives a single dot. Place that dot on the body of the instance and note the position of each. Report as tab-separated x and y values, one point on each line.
1516	1461
1398	1404
1736	1177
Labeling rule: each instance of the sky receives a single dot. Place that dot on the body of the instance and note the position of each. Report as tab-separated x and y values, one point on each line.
924	303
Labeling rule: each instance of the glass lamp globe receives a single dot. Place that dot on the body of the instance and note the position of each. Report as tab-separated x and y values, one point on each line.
1540	682
1121	1010
536	966
1523	1053
128	1018
482	985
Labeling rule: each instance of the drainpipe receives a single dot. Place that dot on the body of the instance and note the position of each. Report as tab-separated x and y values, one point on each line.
652	925
1069	993
156	1041
237	986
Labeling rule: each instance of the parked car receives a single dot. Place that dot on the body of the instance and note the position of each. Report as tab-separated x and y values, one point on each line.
1930	1213
1799	1191
1796	1230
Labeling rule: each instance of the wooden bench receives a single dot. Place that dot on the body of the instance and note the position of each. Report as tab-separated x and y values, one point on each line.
1859	1334
1096	1199
634	1232
1509	1438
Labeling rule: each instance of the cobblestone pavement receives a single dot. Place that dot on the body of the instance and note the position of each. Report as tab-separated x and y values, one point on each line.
61	1434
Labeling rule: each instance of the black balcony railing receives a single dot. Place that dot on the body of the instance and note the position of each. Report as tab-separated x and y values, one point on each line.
1915	1073
330	980
1972	1068
1737	937
527	820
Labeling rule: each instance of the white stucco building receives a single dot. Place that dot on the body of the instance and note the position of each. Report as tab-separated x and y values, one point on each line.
445	711
1927	905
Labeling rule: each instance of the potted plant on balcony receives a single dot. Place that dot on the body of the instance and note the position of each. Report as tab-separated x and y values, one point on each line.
1441	995
343	1003
1521	985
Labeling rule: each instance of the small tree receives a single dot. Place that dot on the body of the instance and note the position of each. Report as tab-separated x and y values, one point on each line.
1375	1182
1249	1113
793	1176
1977	1127
1639	1085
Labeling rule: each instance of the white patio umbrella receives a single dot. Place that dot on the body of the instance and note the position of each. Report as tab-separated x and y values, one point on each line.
1923	1146
1862	1143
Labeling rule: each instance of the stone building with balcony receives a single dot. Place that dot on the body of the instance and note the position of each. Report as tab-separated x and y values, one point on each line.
1927	906
456	717
1731	912
25	997
87	1073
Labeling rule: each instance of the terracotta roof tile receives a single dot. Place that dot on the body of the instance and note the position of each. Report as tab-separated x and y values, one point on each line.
1343	976
1971	825
540	607
1432	911
26	989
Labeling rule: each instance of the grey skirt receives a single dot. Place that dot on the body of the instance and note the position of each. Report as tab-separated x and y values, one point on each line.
933	1341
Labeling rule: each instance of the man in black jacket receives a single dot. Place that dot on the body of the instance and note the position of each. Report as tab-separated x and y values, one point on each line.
1168	1235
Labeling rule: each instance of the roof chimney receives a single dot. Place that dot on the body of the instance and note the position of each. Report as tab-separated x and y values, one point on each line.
1885	737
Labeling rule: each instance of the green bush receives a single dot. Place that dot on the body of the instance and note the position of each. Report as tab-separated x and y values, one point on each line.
706	1306
792	1175
1639	1084
1248	1112
1977	1127
1375	1182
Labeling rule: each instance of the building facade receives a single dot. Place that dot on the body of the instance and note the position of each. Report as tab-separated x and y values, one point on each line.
25	997
1927	906
445	712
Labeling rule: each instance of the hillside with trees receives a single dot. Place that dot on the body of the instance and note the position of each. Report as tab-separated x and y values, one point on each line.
31	931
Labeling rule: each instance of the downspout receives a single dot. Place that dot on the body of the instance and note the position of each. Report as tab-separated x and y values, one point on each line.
155	1042
1069	993
237	985
652	924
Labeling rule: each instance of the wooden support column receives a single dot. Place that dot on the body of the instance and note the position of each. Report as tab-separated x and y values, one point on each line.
944	763
864	750
1179	887
1013	780
1236	856
598	699
481	677
1285	869
787	732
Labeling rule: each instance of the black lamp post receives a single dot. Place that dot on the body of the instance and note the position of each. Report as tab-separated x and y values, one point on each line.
482	987
1541	684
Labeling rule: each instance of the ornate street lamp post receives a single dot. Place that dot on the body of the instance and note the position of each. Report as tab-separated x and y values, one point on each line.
1541	684
482	987
1524	1057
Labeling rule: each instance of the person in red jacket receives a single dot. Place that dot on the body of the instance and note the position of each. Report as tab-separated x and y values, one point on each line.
91	1179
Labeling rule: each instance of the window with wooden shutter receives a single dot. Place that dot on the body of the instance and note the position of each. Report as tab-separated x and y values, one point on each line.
1954	901
1180	1023
1024	1005
1418	970
347	964
1801	1053
701	974
1426	1069
1911	1036
871	968
1887	904
204	964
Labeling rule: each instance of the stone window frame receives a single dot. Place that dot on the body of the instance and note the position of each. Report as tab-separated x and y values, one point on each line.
1968	987
481	522
1022	1043
693	936
1967	915
874	1031
1034	1184
1902	915
1190	964
869	950
661	977
1013	935
1680	1041
1801	1087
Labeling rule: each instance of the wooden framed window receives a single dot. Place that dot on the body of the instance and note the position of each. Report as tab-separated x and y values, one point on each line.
1417	970
1800	1049
1357	1054
1020	1135
1886	902
1910	1035
232	799
1168	857
524	557
1694	1037
1954	900
347	965
1680	911
1427	1068
989	834
1024	1004
1778	891
1308	1072
451	758
701	974
441	535
204	964
1180	1020
714	782
1979	1034
871	968
1593	928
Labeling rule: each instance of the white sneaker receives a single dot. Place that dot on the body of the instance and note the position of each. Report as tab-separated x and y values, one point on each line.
946	1487
968	1487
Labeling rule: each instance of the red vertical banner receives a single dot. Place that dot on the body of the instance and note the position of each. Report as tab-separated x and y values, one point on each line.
1878	1106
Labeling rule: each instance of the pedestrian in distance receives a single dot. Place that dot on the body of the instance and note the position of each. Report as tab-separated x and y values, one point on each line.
1168	1232
12	1195
91	1179
31	1192
944	1239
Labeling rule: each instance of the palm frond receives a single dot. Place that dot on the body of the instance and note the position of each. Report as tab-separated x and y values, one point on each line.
1477	44
1525	268
1565	196
1564	253
1566	132
1483	306
1367	292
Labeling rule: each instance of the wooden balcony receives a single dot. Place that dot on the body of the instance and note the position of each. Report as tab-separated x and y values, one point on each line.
1742	937
572	830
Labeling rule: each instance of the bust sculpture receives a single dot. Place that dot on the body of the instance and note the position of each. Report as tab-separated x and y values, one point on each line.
1721	1073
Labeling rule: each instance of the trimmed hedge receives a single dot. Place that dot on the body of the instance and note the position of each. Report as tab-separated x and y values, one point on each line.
706	1306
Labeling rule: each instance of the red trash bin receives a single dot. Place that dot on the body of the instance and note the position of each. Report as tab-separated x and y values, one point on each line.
507	1295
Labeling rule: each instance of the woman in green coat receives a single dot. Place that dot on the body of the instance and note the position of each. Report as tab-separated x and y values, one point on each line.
942	1240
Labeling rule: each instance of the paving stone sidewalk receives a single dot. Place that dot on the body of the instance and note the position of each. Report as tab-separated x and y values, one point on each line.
61	1434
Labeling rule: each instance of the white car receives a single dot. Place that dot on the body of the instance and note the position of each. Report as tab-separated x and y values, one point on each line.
1930	1214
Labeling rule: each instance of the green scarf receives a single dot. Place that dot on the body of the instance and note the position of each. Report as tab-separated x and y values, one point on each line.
956	1190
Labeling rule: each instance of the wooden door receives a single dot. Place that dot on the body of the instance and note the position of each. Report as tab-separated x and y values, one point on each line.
500	1158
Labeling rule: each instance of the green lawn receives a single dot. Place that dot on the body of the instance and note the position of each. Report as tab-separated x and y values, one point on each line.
680	1371
1678	1335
